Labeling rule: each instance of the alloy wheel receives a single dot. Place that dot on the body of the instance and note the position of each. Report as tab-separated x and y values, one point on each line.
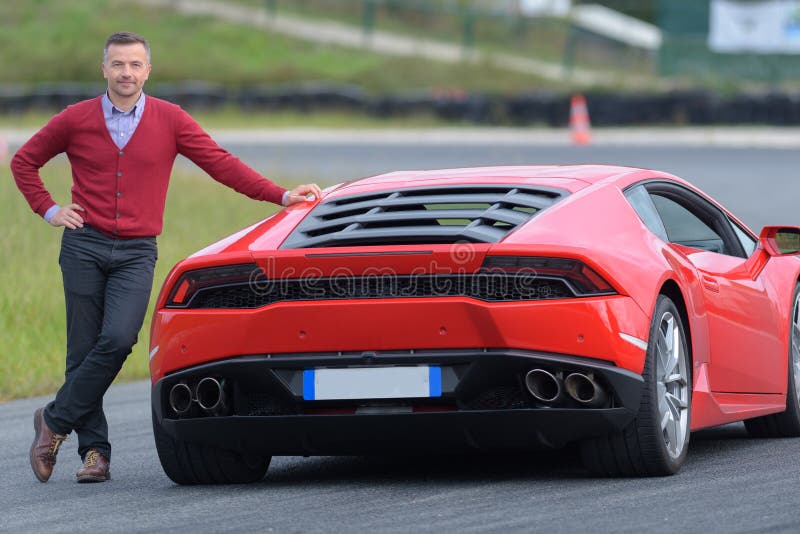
672	383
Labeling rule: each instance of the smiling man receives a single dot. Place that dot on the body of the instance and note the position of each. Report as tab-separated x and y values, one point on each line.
121	147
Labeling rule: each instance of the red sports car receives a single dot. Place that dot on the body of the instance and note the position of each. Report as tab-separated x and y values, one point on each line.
499	308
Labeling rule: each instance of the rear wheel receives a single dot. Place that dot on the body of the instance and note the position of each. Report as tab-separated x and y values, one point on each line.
655	443
192	463
786	423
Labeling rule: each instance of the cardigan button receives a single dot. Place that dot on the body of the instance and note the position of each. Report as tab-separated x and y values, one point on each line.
119	194
120	152
119	173
117	215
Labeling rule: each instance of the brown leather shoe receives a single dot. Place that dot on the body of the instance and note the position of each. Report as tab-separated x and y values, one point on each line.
44	448
96	468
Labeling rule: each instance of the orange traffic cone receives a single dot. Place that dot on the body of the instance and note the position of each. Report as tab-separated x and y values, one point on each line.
579	125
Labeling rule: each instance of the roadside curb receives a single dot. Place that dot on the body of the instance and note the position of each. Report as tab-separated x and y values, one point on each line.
754	137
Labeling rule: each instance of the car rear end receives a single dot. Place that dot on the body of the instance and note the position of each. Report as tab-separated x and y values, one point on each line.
397	317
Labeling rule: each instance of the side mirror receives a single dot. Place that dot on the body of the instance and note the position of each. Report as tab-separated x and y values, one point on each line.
780	240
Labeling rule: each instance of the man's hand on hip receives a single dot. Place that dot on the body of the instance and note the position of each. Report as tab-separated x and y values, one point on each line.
299	194
68	216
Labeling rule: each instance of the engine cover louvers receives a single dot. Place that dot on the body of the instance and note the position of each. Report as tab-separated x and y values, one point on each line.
422	215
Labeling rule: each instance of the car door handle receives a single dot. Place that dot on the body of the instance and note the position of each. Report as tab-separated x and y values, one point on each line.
710	283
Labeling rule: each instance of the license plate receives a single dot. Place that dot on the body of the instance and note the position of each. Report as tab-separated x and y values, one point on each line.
372	383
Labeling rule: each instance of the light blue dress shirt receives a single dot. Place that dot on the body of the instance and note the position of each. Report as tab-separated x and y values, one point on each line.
122	124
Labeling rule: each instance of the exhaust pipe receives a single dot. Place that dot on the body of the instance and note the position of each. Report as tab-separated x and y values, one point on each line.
585	390
543	385
210	395
180	398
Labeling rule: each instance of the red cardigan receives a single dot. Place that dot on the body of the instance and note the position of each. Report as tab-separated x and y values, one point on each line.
123	191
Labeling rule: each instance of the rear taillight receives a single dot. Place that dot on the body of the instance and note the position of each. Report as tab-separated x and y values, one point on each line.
581	279
192	282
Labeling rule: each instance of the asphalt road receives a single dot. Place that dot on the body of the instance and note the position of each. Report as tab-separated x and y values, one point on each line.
760	186
731	483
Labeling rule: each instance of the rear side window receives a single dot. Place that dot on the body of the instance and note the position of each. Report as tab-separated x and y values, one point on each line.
684	217
639	198
685	228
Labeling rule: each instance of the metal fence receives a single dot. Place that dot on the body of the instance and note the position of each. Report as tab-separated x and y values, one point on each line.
487	25
502	25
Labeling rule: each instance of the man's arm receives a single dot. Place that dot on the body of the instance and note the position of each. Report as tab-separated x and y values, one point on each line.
32	156
194	143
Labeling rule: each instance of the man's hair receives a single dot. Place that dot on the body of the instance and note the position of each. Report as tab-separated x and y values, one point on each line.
125	38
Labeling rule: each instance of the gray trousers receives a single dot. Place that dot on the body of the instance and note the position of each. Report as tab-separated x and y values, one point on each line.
107	285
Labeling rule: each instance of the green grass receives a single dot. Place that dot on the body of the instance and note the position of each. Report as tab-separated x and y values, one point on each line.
493	30
230	117
199	211
53	41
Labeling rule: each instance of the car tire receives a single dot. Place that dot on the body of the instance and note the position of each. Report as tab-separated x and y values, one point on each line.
787	423
656	442
189	463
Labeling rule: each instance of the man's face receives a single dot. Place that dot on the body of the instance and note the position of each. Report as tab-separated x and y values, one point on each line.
126	68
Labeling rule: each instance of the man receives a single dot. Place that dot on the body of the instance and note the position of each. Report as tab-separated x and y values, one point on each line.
121	148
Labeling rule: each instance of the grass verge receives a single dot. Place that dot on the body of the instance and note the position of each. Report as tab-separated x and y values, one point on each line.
199	211
487	27
235	118
49	41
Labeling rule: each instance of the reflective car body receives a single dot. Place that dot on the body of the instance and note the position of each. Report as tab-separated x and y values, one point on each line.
482	278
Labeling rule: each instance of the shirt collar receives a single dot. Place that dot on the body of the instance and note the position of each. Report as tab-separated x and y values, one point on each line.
110	110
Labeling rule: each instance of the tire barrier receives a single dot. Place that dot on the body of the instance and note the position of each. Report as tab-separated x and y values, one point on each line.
535	108
305	97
